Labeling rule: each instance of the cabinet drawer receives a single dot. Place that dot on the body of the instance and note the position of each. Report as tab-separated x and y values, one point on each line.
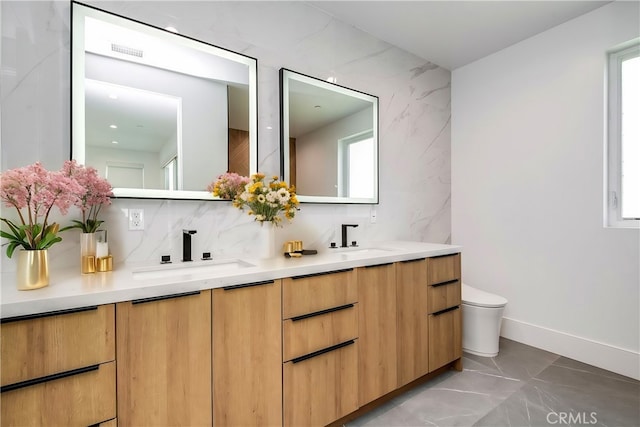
321	389
82	399
443	268
444	295
56	342
313	333
308	294
445	337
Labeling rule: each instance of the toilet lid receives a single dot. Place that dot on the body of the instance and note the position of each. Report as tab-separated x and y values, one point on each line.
473	296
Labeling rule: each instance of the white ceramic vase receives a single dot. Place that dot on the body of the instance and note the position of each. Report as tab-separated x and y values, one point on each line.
267	240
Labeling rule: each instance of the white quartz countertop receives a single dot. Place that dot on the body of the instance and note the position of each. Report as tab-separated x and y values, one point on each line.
69	289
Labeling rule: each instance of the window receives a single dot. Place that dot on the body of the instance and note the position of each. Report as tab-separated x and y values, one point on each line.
356	166
623	199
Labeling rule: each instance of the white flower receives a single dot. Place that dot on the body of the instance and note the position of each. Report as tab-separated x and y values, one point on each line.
260	217
283	195
261	198
245	195
272	196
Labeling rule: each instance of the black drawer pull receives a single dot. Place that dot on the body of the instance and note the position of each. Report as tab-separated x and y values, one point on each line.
323	351
448	282
163	297
318	313
378	265
248	285
41	380
47	314
412	260
446	310
305	276
100	423
442	256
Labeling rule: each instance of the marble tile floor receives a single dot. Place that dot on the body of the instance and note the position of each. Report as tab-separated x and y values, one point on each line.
522	386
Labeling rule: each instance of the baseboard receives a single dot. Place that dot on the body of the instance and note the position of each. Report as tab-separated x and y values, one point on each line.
605	356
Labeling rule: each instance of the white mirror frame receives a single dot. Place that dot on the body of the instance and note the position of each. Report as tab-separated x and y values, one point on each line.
79	13
285	77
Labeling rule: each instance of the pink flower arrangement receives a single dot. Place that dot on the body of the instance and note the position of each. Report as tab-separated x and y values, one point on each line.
94	193
228	185
33	191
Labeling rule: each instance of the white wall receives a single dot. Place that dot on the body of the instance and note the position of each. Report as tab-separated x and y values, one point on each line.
414	122
317	154
527	191
99	157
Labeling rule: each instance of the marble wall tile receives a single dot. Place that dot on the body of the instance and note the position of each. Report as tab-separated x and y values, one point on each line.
415	189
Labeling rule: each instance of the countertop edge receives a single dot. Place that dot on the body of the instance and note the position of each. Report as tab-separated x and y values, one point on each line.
69	289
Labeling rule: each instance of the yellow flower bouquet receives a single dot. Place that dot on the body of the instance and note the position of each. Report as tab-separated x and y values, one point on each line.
267	201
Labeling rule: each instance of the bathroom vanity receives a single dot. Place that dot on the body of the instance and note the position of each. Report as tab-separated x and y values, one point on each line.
298	341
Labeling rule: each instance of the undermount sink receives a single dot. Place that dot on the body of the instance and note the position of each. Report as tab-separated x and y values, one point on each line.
183	269
357	251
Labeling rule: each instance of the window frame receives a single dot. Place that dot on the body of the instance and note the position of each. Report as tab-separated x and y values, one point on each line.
613	201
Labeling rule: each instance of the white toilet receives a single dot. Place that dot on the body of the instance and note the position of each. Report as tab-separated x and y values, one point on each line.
481	319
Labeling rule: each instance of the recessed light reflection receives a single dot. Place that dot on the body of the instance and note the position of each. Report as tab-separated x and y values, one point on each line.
269	127
113	126
114	142
332	80
113	96
172	29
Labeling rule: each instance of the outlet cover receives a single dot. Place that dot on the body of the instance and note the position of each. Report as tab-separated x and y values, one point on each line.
136	219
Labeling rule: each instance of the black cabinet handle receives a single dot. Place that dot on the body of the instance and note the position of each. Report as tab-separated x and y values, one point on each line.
446	310
323	351
100	423
442	256
48	314
53	377
248	285
318	313
448	282
412	260
305	276
163	297
378	265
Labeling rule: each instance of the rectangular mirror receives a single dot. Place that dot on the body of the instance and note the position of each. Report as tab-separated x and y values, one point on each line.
328	140
160	115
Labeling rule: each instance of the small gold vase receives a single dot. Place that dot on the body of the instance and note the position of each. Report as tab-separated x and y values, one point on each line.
33	269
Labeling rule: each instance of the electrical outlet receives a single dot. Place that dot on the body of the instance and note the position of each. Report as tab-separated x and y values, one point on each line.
136	219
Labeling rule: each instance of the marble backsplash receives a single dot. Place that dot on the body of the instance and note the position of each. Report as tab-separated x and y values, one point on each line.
415	113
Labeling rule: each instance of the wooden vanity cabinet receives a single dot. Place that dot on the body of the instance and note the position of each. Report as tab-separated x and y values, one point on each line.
377	361
445	313
412	320
164	360
247	355
58	368
320	341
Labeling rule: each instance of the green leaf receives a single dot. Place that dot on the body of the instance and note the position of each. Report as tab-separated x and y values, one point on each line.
12	247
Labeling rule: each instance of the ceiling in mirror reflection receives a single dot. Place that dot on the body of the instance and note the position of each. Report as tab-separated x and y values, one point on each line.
172	100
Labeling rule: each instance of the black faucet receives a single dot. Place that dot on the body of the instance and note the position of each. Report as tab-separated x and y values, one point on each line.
344	233
186	244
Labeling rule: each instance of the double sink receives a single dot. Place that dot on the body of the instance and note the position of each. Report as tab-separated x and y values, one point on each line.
214	267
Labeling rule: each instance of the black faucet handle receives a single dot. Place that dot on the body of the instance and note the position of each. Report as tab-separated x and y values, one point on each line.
185	231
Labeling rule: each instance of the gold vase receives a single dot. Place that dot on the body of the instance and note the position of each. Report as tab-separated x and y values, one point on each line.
33	269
